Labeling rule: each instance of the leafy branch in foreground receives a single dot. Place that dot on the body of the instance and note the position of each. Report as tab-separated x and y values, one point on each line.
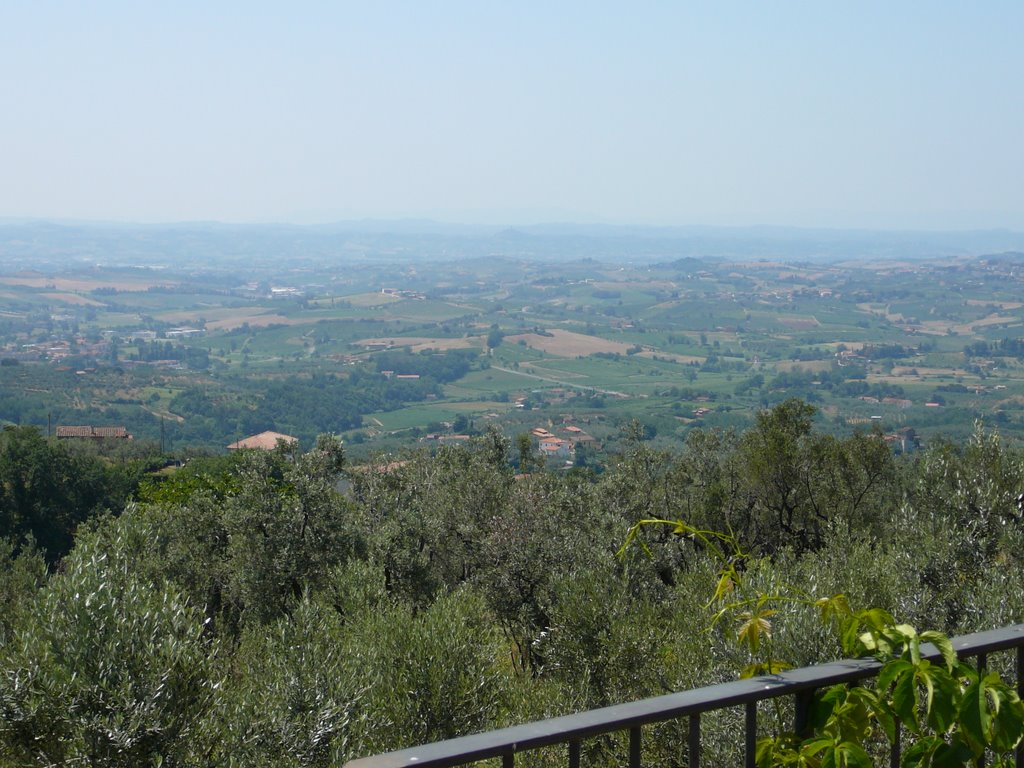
955	712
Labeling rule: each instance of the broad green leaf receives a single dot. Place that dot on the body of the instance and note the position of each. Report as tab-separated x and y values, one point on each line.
848	636
867	640
824	704
754	626
877	619
923	675
943	644
953	755
974	716
904	700
943	696
884	717
913	644
906	630
1008	715
726	583
815	746
853	755
918	753
891	671
835	607
774	752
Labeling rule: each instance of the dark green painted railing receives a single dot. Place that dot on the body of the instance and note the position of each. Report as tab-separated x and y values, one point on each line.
572	730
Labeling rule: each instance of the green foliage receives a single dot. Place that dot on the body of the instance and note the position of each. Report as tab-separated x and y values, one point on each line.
975	488
439	670
247	542
494	338
314	689
193	357
300	405
546	532
424	517
296	694
283	530
22	573
109	669
601	638
954	712
330	611
47	490
210	475
438	366
798	483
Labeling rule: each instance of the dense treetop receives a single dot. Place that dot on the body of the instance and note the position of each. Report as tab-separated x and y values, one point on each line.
288	608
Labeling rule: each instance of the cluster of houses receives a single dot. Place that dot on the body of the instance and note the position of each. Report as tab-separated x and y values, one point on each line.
93	433
265	441
174	333
899	402
903	440
77	345
255	289
555	447
400	376
56	349
403	294
552	446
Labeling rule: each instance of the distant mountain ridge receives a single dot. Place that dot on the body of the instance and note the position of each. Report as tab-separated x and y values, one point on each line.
50	244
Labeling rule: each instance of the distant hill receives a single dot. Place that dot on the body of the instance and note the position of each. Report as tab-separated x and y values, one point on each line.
50	245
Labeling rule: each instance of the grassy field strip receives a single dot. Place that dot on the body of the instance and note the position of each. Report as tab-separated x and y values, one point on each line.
563	383
86	284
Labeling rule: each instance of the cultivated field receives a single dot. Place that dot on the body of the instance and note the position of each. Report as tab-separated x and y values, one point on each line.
677	346
74	298
569	343
423	343
85	284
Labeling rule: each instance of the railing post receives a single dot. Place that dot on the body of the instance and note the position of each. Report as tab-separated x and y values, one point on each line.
574	754
508	760
694	740
1020	692
982	665
895	751
802	700
634	747
750	735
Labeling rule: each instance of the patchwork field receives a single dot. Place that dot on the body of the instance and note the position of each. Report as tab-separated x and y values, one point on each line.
674	345
568	343
74	298
365	300
84	284
423	343
229	318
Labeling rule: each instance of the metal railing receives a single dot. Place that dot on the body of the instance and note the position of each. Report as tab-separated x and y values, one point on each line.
572	730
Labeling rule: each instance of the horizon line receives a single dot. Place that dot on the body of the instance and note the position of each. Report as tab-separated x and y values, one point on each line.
498	226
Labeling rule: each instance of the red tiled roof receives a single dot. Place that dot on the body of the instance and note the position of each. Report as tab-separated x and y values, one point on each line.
266	441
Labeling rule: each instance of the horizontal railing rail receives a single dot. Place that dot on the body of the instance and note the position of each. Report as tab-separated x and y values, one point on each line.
571	730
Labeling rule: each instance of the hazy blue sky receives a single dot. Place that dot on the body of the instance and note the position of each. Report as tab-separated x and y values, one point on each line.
907	114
